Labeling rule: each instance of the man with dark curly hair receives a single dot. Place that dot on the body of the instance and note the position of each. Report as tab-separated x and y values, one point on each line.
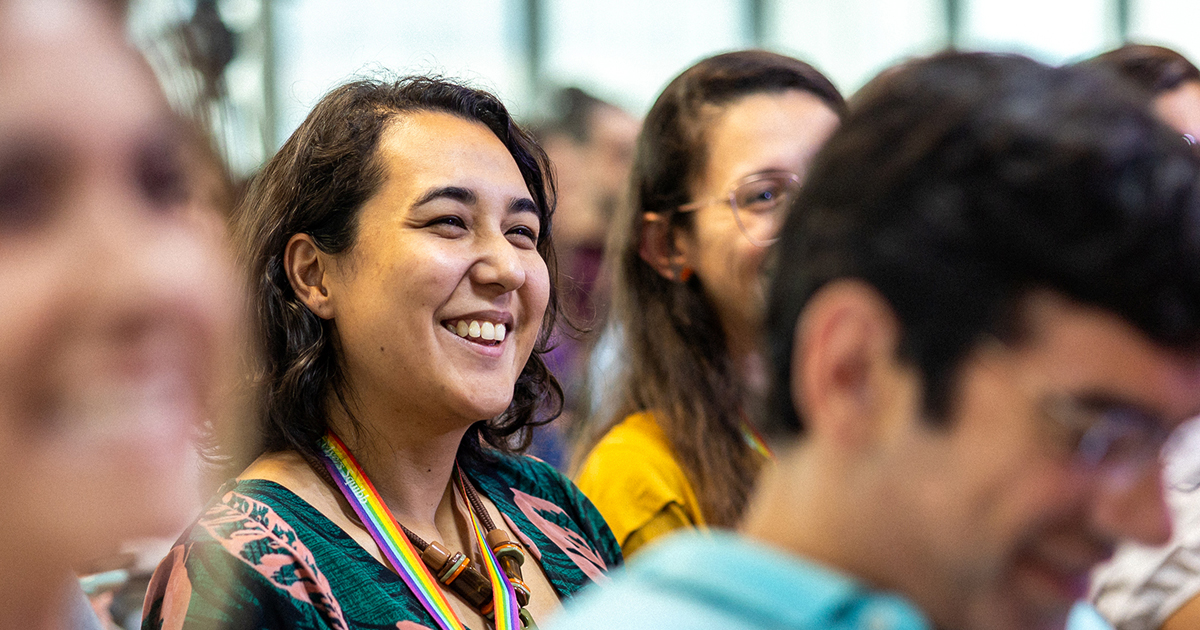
984	323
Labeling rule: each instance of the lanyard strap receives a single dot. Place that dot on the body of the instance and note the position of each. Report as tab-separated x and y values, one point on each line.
504	598
756	442
382	526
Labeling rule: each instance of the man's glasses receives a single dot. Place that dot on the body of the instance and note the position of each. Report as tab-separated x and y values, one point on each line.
1119	441
759	203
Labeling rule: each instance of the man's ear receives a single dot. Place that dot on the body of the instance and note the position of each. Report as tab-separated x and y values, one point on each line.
843	346
656	246
306	266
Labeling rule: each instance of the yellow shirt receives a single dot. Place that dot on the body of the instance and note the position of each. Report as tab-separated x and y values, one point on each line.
633	479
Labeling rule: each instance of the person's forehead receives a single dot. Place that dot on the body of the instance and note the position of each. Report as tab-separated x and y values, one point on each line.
426	148
70	69
1072	347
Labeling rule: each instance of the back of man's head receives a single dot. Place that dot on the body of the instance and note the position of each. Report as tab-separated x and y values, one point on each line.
960	183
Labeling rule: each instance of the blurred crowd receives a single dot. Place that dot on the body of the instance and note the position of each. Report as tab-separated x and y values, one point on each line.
924	356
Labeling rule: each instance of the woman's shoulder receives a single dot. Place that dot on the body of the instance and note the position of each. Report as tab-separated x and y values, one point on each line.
631	475
639	433
634	452
553	519
247	546
527	480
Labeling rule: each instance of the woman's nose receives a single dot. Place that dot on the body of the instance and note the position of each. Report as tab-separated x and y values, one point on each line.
499	263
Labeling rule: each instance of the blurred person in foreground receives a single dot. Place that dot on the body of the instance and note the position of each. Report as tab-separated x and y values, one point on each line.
401	263
984	324
722	152
121	309
1150	587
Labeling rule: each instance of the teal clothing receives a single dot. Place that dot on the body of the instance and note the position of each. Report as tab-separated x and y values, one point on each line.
717	581
261	557
1085	617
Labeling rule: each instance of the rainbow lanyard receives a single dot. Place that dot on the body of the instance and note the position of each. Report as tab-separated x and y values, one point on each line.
378	520
756	442
504	598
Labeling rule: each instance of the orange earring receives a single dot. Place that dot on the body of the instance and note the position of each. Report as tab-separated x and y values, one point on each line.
685	274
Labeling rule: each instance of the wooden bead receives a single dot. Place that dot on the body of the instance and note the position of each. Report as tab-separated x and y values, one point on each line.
454	568
510	550
474	587
497	537
435	557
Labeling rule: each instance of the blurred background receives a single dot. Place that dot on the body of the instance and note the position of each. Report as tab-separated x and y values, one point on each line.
258	66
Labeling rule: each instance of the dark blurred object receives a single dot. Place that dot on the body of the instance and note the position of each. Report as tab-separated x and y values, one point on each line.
210	46
1167	77
591	144
1155	68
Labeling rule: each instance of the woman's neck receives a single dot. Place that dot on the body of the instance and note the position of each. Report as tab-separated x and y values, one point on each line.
408	461
748	365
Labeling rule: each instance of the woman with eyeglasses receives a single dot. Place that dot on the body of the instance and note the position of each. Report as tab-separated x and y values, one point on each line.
723	151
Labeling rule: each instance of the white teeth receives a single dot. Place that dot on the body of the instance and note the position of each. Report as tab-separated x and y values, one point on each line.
476	329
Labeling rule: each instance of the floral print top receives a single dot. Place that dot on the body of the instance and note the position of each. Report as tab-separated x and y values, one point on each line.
262	557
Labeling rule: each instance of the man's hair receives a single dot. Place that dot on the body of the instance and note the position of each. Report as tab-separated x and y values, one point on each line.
960	183
1153	68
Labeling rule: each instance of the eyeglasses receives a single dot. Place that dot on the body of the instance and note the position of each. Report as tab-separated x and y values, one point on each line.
1117	440
759	203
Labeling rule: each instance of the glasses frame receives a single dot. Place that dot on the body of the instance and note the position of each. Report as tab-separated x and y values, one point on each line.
1098	430
730	199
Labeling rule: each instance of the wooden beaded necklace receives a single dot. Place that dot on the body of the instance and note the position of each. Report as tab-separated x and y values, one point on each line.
450	569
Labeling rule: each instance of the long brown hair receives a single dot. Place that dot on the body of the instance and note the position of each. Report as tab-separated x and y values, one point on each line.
673	351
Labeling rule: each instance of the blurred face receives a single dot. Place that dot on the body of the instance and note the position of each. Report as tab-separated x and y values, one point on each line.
1006	514
439	301
592	177
118	293
1180	108
756	134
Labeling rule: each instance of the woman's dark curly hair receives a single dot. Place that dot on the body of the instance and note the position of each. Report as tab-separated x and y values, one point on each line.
316	185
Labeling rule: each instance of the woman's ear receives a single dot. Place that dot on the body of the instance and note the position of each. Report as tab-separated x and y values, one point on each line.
306	264
656	246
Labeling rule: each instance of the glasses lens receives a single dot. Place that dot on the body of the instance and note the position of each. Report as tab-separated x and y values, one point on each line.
1115	437
759	204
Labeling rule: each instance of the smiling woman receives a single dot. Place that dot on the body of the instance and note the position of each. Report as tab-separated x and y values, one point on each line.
399	249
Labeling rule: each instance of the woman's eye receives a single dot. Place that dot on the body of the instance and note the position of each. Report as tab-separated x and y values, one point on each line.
524	233
162	177
448	222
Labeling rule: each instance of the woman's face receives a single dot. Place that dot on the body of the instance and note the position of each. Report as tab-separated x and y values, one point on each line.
439	302
118	296
758	133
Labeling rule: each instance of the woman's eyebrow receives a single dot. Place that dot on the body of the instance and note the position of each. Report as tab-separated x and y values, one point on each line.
522	204
456	193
